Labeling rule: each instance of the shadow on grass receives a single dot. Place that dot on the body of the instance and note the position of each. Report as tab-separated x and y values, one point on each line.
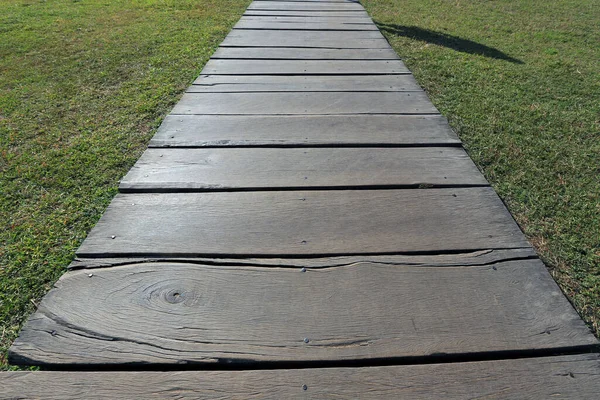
450	41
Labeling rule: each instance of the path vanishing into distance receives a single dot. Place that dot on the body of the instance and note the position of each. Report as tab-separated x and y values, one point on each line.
305	224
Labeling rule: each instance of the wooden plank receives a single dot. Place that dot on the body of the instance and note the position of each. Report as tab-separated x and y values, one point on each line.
275	53
275	169
306	39
288	13
301	6
568	377
306	26
303	223
316	103
304	67
173	313
318	19
307	83
273	35
471	258
315	1
356	130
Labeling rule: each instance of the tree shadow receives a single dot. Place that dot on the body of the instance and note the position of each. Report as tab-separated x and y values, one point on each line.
446	40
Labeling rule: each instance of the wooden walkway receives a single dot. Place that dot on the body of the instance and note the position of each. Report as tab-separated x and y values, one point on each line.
305	224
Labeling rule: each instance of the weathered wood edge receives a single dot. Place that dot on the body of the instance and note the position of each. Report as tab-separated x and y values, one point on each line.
476	258
570	376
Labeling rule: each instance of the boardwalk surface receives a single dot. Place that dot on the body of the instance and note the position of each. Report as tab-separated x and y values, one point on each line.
305	224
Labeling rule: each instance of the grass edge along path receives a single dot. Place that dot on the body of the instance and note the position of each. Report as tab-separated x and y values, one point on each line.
83	87
520	84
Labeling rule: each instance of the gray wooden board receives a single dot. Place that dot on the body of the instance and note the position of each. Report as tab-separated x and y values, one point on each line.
307	83
275	53
172	313
573	376
288	13
565	377
304	67
315	1
274	35
353	22
316	6
303	223
307	26
306	39
321	130
303	103
470	258
274	168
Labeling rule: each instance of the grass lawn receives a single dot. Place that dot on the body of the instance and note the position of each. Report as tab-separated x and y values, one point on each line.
519	81
83	86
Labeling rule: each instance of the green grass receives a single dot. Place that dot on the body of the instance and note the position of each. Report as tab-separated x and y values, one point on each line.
83	86
519	81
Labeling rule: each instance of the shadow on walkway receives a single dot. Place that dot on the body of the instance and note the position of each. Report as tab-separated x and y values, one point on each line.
443	39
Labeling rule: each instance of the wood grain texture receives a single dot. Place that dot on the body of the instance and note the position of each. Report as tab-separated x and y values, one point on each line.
303	223
304	103
307	83
472	258
225	131
306	26
188	313
275	169
304	67
566	377
306	39
313	14
276	53
301	6
365	20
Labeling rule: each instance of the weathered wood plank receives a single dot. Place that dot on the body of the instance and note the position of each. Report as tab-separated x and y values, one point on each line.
316	1
288	13
306	26
304	67
307	83
304	103
365	20
372	130
568	377
275	169
303	222
187	313
309	6
472	258
274	35
275	53
306	39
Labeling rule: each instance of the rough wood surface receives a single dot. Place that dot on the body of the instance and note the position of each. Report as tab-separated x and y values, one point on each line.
304	103
303	223
190	313
305	26
287	13
280	53
308	83
304	67
308	6
306	39
472	258
224	131
317	19
275	168
566	377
